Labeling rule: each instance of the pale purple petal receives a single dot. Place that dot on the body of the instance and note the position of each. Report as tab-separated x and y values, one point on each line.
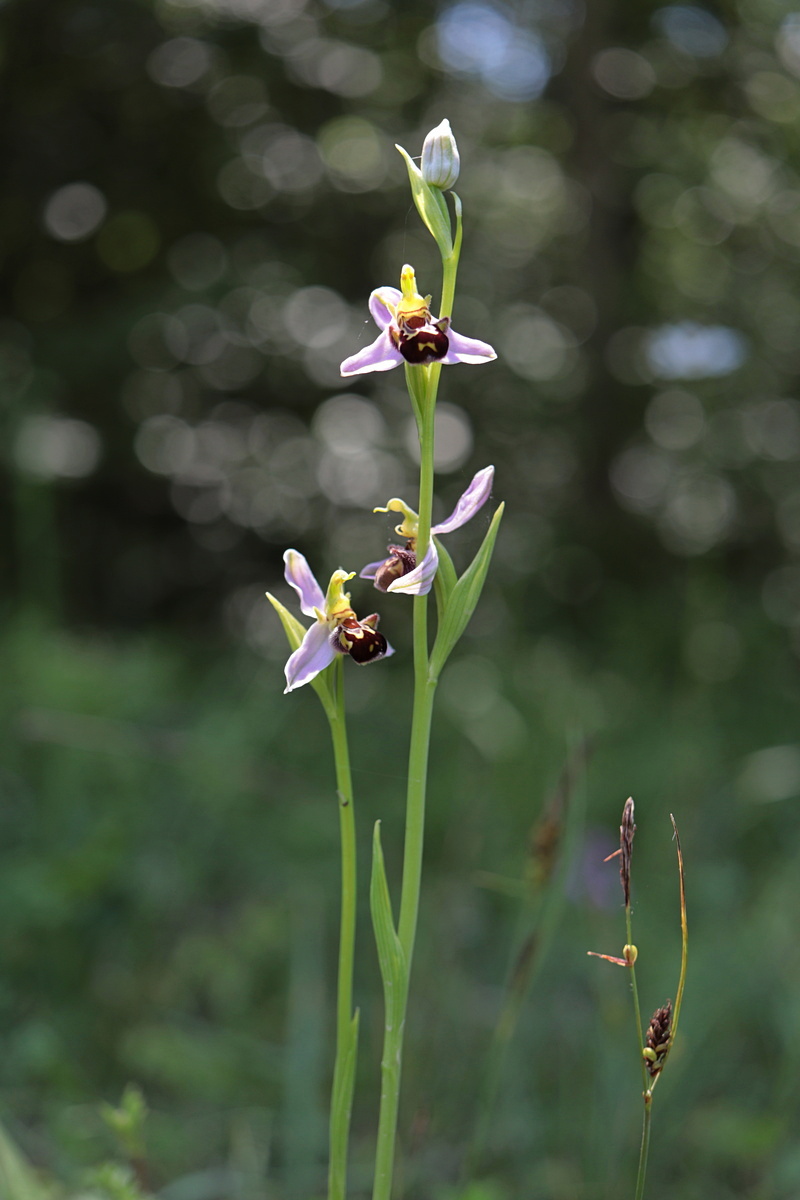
380	356
389	652
370	570
300	576
379	303
466	350
419	581
473	499
313	655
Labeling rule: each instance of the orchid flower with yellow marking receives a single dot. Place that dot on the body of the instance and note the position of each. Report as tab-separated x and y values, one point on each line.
400	572
336	629
410	333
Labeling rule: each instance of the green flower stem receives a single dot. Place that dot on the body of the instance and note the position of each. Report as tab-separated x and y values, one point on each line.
449	272
636	1007
647	1095
424	692
341	1102
645	1147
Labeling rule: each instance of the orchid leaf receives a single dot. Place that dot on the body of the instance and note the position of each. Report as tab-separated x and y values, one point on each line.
342	1106
391	956
444	581
463	599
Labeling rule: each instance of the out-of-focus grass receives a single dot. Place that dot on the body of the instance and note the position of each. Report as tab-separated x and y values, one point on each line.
168	883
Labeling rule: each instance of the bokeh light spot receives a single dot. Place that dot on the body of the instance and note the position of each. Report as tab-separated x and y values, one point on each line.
348	422
338	67
180	62
675	420
623	73
354	153
237	101
690	351
57	447
692	30
771	775
316	317
453	438
698	512
479	39
535	346
74	212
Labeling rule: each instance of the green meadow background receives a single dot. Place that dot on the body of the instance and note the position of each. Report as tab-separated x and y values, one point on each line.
197	198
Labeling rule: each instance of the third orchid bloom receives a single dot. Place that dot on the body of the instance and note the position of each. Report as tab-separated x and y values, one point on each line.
401	572
410	333
336	628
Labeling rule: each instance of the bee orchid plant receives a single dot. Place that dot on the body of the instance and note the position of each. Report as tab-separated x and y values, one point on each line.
422	343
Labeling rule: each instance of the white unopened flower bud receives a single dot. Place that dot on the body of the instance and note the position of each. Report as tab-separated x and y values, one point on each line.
440	159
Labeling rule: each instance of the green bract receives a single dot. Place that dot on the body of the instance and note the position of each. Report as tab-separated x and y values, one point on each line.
462	599
431	206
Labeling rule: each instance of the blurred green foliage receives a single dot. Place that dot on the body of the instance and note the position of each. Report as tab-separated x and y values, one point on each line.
198	197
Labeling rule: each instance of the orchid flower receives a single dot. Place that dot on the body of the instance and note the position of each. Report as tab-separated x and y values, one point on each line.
410	333
336	629
400	572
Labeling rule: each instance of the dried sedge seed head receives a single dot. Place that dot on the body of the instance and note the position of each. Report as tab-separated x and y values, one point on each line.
545	838
658	1039
626	832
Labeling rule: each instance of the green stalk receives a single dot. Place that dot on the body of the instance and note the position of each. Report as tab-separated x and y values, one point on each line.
645	1147
647	1095
636	1008
346	1022
424	691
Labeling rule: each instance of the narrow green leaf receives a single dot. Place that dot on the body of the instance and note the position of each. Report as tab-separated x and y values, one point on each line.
391	957
444	581
463	599
292	627
431	206
341	1109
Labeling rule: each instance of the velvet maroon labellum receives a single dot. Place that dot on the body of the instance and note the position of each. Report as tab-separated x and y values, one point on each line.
421	341
401	561
359	639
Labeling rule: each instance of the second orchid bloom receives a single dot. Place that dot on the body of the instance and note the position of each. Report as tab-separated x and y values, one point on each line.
401	572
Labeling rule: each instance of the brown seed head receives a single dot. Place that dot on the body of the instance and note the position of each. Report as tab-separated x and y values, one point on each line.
658	1038
626	832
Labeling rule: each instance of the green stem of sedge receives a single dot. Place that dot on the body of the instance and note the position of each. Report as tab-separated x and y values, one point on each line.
341	1110
636	1008
424	691
646	1093
645	1147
